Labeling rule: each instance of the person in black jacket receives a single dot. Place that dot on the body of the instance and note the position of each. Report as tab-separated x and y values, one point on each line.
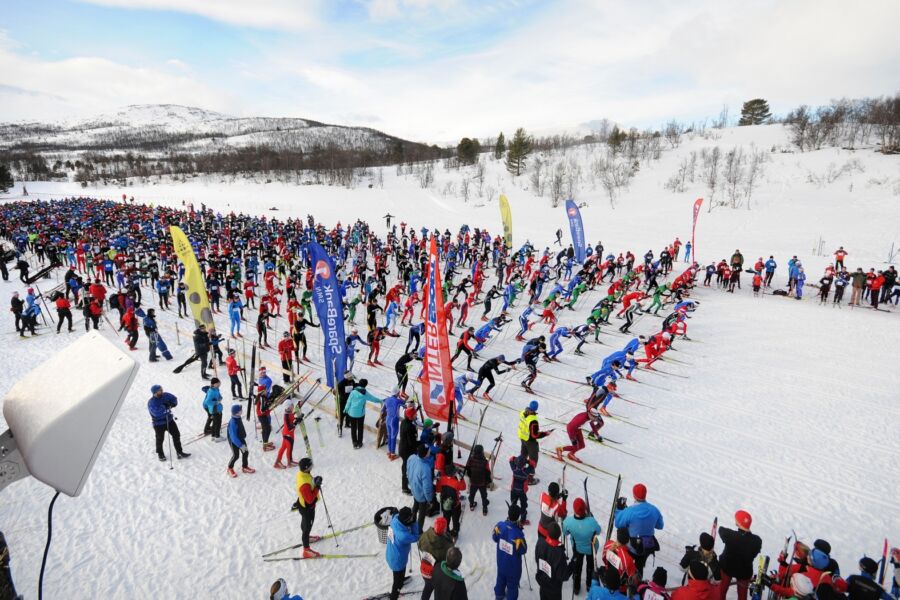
344	387
479	471
553	568
201	348
448	582
16	306
741	549
407	442
705	553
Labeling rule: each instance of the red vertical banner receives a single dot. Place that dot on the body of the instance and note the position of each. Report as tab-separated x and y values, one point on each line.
697	204
437	373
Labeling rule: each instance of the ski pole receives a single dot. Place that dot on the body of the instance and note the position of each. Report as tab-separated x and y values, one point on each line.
528	576
328	518
171	460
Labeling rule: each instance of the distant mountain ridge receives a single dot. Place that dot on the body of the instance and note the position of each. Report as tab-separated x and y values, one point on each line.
154	129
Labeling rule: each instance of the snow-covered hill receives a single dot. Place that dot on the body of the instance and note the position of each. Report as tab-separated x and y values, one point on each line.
157	129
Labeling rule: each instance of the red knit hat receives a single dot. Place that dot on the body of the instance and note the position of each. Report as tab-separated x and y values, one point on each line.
579	507
639	491
410	413
440	525
743	519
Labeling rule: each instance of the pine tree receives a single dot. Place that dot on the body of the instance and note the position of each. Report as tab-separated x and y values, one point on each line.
467	150
500	146
6	179
754	112
517	152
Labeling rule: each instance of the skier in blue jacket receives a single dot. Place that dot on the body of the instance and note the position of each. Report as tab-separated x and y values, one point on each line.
484	332
420	474
212	404
160	407
391	407
355	409
524	324
556	347
237	439
582	527
511	547
403	533
641	519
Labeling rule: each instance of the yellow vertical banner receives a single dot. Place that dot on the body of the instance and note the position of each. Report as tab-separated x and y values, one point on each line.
506	216
193	279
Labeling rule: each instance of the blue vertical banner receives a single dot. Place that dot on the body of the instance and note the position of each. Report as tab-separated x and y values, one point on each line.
326	296
577	229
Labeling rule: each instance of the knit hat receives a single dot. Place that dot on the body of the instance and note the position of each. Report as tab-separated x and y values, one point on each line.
801	585
406	515
236	409
818	559
698	570
553	489
639	491
533	406
823	546
410	413
454	557
553	531
706	541
155	388
513	513
440	525
743	519
660	576
868	565
579	507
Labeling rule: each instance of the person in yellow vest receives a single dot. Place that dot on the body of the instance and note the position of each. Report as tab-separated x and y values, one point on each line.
529	434
307	498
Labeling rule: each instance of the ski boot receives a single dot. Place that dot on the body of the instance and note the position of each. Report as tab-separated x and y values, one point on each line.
603	411
629	377
248	470
486	396
310	553
571	456
292	463
231	472
559	451
279	465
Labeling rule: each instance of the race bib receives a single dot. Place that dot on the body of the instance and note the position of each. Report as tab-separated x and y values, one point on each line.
390	534
544	566
613	559
506	547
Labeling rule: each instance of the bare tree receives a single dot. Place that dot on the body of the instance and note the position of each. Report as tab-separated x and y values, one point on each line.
464	189
754	173
673	132
557	182
710	173
733	173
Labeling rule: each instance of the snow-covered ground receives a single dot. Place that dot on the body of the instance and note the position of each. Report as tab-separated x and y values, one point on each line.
784	408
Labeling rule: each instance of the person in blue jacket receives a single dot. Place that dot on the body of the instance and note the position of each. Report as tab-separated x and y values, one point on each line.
420	474
556	347
237	439
770	266
391	407
212	404
355	409
801	279
234	315
160	407
415	333
641	519
511	547
279	591
607	589
524	324
582	527
484	332
403	533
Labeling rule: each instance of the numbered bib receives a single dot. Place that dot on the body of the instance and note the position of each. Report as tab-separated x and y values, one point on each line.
506	547
544	566
613	559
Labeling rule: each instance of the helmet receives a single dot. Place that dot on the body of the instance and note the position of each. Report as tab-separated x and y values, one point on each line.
305	464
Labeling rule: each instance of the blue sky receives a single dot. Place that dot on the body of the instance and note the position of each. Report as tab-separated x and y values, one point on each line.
435	70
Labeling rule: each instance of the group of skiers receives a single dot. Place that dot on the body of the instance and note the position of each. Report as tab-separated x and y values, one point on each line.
875	287
129	249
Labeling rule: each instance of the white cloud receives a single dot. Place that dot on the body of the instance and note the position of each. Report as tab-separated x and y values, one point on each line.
289	15
380	10
88	85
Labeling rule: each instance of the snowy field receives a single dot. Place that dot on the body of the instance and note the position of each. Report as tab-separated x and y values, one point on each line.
786	409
